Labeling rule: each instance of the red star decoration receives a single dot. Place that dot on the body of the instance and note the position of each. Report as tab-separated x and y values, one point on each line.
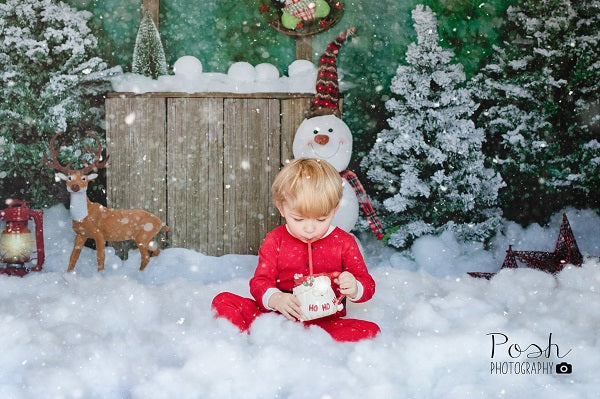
565	252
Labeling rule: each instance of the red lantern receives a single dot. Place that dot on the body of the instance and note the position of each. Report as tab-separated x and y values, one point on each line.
17	242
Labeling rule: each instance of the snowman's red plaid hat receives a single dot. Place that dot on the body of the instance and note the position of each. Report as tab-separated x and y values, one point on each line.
328	93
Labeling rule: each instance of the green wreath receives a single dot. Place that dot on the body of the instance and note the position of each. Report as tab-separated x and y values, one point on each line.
289	19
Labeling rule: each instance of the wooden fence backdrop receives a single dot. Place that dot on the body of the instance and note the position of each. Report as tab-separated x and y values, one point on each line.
203	163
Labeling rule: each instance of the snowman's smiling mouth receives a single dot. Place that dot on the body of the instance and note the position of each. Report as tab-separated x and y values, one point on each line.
322	156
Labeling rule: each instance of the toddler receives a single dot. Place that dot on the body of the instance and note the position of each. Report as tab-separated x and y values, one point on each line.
307	193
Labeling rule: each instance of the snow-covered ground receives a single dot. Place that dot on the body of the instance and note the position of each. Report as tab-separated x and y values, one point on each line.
124	333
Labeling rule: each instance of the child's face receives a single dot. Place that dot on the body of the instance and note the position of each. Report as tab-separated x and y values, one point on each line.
304	228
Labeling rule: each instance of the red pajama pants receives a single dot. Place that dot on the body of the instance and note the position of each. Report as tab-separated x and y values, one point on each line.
243	311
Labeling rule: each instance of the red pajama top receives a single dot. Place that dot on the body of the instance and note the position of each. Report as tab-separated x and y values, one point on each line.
282	255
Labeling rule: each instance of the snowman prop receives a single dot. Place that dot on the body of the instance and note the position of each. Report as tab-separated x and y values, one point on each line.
315	293
324	135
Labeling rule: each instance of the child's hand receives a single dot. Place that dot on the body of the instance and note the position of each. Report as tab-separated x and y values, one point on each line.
347	283
286	304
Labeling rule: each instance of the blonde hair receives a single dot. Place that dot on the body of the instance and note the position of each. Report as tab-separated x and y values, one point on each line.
312	187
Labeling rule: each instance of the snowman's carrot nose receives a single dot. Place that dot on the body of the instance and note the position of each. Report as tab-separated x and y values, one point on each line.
321	139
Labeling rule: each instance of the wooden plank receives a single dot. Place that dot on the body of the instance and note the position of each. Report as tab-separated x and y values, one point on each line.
136	174
231	111
214	177
195	161
292	115
177	173
242	186
198	174
256	146
147	171
157	163
272	217
118	148
256	155
196	122
304	48
264	157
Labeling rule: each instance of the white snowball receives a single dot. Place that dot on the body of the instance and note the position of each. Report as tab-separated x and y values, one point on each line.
187	67
302	83
300	67
242	72
266	72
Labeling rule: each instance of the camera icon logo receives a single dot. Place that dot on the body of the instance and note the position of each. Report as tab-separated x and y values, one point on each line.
564	368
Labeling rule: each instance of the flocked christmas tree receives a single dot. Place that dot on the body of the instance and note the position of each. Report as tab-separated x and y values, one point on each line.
148	53
51	79
583	90
429	166
540	108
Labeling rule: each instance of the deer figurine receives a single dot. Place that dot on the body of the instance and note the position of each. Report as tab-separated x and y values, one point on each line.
92	220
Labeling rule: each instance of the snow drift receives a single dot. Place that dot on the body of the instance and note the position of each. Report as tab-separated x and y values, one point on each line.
151	334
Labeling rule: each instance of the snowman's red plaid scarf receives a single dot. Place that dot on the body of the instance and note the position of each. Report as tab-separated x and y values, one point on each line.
365	203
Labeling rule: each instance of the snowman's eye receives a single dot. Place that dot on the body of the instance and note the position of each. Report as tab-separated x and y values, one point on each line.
330	130
316	131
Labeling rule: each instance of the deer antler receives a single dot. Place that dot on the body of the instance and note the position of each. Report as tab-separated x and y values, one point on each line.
55	164
96	163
